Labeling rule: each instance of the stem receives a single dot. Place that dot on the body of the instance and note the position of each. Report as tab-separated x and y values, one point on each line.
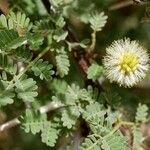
43	109
9	124
92	46
126	123
118	126
121	5
112	132
93	145
51	106
95	142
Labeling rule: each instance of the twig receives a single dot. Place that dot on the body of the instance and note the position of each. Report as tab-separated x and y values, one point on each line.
43	109
126	3
26	69
49	107
92	46
12	123
121	5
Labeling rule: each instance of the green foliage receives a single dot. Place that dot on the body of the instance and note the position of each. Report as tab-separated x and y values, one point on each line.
7	64
74	97
9	39
44	27
60	35
29	7
59	86
68	120
26	89
97	21
111	97
22	54
6	92
93	111
62	62
115	142
17	21
82	44
43	69
95	71
141	114
49	134
35	123
137	138
102	136
35	40
20	22
72	108
89	143
59	21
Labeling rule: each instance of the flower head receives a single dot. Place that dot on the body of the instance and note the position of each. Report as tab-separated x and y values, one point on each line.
126	62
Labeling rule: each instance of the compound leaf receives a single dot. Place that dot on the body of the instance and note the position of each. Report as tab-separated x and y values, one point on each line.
62	62
97	21
9	39
49	134
95	71
142	113
26	89
43	69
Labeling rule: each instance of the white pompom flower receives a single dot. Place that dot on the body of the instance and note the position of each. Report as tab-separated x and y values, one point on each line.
126	62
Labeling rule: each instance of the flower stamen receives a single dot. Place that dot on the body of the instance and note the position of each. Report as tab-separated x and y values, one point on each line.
128	63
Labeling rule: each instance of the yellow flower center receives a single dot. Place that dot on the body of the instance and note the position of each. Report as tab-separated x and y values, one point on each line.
128	63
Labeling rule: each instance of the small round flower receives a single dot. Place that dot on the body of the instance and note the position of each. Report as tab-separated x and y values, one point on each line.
126	62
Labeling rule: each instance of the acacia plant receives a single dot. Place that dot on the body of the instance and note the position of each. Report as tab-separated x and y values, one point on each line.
63	83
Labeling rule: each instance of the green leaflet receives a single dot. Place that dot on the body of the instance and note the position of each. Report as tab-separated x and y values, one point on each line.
115	142
141	114
93	110
111	97
97	21
6	95
70	116
75	94
35	123
26	89
35	40
137	138
91	143
101	128
9	39
32	122
60	35
7	64
22	53
63	64
44	27
6	98
17	21
43	69
59	86
95	71
49	135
